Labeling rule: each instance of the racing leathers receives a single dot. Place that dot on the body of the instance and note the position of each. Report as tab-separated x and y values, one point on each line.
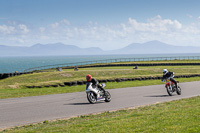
170	76
95	83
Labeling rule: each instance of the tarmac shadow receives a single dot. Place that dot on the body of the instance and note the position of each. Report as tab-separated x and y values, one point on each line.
82	103
158	96
77	104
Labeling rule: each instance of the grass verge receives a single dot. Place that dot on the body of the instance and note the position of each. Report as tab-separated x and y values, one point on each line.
25	92
176	116
17	86
67	75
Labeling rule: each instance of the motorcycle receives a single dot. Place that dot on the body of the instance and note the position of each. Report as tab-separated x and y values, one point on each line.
94	94
170	86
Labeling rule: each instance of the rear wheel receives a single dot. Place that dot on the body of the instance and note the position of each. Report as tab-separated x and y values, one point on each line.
178	90
169	90
107	96
92	98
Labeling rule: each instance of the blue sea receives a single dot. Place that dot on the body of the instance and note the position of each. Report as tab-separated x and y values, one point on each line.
21	64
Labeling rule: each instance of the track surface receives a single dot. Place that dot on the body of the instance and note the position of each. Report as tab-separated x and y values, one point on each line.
21	111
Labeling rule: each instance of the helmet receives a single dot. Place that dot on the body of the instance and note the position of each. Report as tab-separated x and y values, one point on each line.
165	71
88	77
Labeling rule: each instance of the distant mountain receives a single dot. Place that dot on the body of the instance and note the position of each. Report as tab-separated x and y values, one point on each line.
47	50
155	47
152	47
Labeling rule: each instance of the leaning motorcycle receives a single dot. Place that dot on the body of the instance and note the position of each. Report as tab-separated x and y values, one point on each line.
94	94
170	86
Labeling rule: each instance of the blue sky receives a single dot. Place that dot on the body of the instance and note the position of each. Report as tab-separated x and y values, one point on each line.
108	24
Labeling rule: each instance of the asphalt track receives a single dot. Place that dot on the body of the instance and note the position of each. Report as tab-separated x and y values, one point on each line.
27	110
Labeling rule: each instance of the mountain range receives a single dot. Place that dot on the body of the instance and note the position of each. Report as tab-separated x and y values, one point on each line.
152	47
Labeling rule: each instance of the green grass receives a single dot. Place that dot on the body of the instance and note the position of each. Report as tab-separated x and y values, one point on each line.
17	86
176	116
25	92
48	78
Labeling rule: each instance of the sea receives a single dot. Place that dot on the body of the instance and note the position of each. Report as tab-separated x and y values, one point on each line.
11	64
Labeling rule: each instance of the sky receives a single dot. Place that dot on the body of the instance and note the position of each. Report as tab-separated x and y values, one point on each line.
107	24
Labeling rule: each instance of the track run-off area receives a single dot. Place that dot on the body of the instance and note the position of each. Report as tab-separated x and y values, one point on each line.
28	110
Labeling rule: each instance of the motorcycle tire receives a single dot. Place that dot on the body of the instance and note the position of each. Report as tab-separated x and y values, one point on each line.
169	90
107	96
92	97
178	90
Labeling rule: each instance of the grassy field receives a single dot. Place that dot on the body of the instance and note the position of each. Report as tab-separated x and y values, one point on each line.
17	86
176	116
25	92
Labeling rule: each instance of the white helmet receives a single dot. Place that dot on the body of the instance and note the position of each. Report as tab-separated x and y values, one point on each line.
165	71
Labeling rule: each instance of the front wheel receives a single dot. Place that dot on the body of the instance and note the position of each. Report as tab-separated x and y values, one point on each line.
178	90
169	90
91	96
107	96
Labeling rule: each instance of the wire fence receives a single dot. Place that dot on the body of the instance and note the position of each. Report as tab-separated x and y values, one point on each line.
111	61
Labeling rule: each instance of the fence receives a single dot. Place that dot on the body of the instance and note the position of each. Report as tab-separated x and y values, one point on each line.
112	61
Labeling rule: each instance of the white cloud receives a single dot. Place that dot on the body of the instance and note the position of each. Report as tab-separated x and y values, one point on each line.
42	29
4	29
44	37
191	29
105	36
156	24
55	25
23	28
65	22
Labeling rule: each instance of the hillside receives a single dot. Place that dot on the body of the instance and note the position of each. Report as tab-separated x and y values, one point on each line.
152	47
155	47
47	50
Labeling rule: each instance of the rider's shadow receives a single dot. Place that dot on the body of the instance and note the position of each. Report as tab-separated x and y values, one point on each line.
82	103
158	96
77	104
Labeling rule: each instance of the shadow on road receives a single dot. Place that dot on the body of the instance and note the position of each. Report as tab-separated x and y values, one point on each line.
158	96
77	104
83	103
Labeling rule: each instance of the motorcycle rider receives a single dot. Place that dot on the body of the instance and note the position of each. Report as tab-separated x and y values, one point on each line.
169	75
94	82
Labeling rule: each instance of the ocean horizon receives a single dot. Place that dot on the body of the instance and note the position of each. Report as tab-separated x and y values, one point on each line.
10	64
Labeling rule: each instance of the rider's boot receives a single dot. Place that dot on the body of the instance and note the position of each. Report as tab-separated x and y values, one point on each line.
176	86
104	92
102	89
